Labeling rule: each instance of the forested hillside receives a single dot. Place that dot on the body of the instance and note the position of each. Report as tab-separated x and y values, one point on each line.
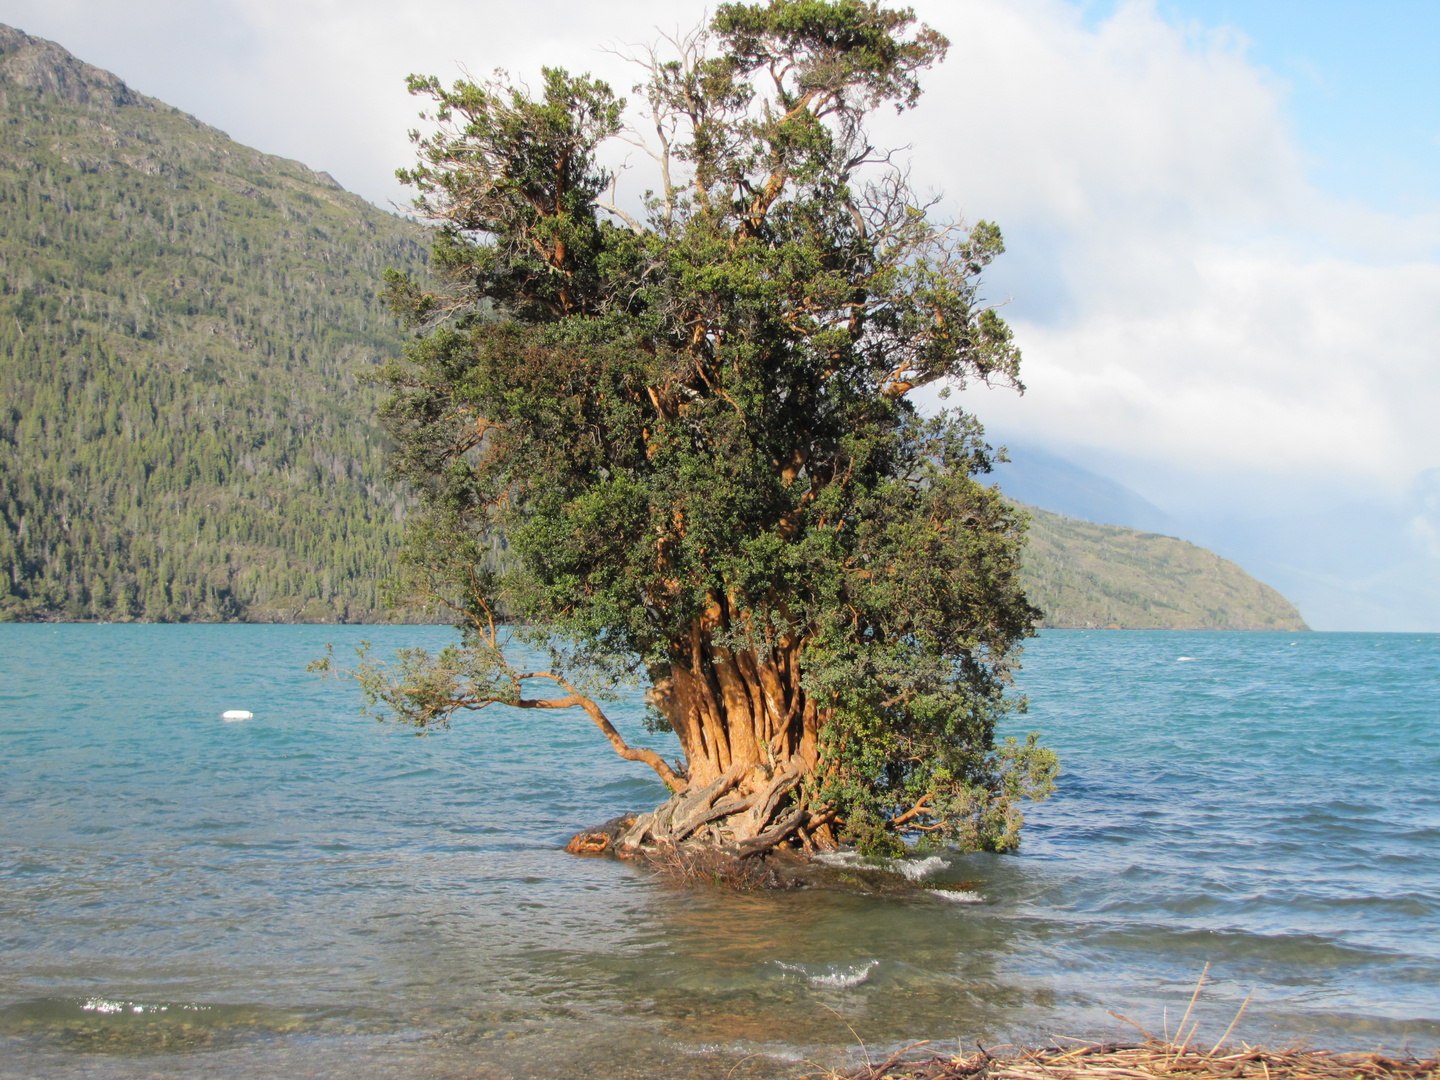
1086	575
182	323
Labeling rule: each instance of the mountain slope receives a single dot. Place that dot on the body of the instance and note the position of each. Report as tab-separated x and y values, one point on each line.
182	320
1037	477
1086	575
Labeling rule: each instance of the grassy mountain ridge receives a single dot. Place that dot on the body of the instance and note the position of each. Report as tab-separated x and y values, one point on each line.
1086	575
182	320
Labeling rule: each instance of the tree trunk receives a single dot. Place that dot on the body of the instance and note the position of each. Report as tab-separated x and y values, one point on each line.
750	735
740	707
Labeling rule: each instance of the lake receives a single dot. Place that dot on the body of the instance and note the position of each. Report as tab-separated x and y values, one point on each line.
308	892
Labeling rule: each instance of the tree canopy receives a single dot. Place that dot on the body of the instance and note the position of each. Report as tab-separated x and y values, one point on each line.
691	418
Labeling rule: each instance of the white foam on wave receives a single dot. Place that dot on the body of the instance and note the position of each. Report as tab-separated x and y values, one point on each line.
113	1006
844	978
913	869
779	1051
838	858
106	1005
839	976
1185	660
959	896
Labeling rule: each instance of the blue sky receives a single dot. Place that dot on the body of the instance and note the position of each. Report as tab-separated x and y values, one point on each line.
1223	223
1363	86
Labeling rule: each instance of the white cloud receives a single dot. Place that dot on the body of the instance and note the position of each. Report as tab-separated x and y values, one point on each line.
1202	302
1132	122
322	80
1261	362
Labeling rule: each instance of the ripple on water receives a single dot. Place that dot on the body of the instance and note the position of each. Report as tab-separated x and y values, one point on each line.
102	1025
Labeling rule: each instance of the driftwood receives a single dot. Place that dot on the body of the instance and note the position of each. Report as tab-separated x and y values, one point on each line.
1151	1060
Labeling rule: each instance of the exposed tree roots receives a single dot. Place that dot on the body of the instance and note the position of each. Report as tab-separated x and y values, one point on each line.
747	811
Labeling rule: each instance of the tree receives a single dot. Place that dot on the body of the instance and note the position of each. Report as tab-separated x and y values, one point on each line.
693	426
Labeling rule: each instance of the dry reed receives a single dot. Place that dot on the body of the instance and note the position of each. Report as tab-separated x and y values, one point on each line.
1146	1061
1153	1059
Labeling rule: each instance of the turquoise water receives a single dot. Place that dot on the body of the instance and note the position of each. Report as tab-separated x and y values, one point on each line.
309	893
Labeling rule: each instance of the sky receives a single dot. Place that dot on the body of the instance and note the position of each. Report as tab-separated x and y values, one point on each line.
1223	223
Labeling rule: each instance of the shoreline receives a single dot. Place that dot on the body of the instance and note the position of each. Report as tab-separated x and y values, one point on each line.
1153	1058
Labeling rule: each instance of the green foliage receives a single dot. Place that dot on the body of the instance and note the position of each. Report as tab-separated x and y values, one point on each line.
1085	575
694	430
425	691
182	320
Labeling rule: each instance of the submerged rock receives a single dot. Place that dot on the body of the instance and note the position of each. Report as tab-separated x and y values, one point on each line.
603	839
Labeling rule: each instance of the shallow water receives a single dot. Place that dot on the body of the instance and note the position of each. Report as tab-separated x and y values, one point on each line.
308	892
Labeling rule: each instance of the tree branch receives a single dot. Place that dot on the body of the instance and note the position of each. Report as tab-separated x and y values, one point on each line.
649	757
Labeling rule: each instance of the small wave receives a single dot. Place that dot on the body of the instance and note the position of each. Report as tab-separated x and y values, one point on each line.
915	869
109	1006
959	896
839	976
912	869
1185	660
844	978
105	1005
838	858
778	1051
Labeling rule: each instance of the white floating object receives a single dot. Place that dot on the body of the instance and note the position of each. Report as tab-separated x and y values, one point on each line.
237	714
1185	660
